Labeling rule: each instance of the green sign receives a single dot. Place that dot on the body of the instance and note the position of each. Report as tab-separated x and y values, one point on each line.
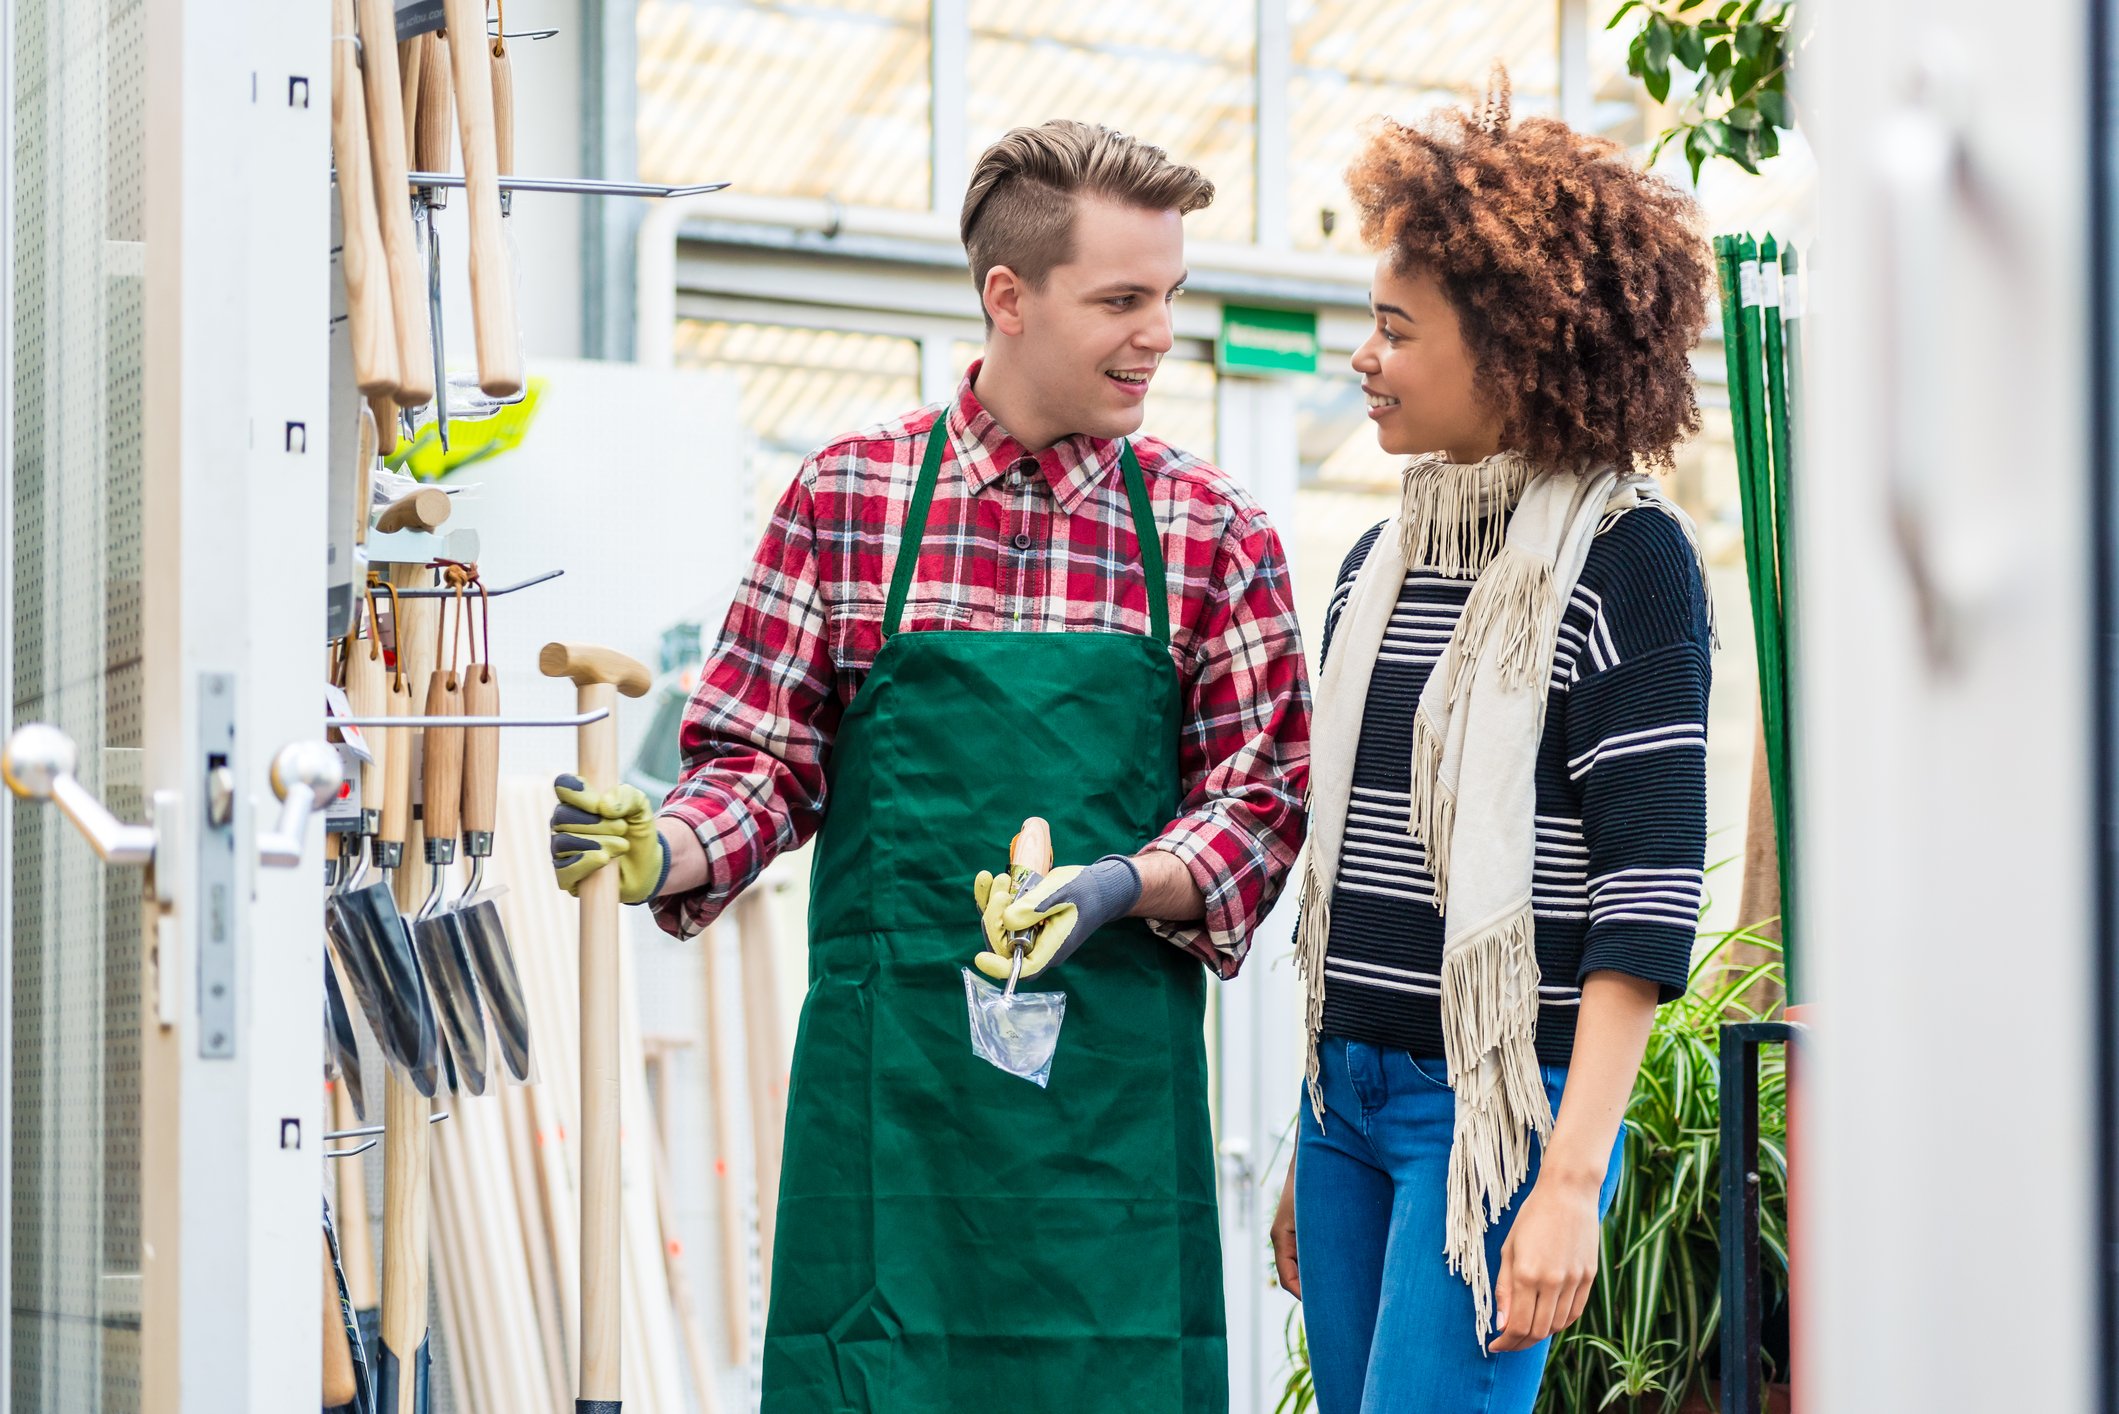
1266	340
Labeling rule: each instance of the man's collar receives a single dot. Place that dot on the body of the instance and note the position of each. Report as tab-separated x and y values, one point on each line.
987	451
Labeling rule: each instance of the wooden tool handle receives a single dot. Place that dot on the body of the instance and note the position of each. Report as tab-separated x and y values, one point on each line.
503	111
368	691
356	1242
386	147
492	287
384	411
406	1140
424	509
364	467
441	773
481	750
430	128
361	260
586	664
1031	849
411	66
338	1350
397	762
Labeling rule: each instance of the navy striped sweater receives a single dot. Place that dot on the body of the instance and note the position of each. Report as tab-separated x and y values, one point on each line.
1621	795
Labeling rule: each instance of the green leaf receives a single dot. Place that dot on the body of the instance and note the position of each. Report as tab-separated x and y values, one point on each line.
1751	40
1659	45
1657	82
1766	142
1728	11
1620	13
1687	46
1744	115
1774	107
1719	58
1685	5
1637	55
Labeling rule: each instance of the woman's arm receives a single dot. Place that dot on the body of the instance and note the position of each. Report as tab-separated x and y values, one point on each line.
1549	1261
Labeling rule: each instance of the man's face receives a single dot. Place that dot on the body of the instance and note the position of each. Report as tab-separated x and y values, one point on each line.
1099	328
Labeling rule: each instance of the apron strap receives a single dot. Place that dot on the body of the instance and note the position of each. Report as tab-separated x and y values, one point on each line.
915	532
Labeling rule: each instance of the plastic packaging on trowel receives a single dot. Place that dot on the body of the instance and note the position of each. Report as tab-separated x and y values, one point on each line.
1013	1030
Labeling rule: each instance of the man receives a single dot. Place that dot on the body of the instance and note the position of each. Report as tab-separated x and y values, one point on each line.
970	615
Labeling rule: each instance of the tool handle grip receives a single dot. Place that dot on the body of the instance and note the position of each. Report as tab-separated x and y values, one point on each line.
377	20
406	1170
441	775
411	72
424	509
586	664
361	260
481	750
367	692
383	409
492	288
504	111
1031	850
430	128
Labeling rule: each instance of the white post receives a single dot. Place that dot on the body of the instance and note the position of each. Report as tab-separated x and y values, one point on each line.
1577	90
949	75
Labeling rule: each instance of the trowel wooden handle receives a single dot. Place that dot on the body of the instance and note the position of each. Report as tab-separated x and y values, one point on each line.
1031	849
338	1350
492	287
441	772
406	1141
430	128
377	21
361	260
367	692
503	111
411	70
424	509
383	410
585	664
481	750
397	762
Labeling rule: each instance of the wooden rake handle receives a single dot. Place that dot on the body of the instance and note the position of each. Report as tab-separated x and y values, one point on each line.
361	258
492	286
393	200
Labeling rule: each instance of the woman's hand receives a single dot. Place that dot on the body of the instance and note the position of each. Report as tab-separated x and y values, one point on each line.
1548	1263
1284	1238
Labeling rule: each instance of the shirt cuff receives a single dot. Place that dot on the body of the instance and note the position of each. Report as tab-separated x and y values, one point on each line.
1644	950
708	813
1223	937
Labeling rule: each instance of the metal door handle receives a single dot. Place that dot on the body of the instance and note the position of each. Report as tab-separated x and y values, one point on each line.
39	764
305	776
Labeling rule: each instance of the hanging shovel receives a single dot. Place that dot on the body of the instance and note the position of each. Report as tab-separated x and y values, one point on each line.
345	1050
476	912
435	934
1018	1031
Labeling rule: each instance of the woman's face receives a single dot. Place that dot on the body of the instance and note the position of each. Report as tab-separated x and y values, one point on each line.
1418	374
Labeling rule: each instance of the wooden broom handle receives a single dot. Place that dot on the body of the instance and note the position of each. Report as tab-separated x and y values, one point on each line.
356	1240
430	127
406	1140
441	770
393	205
492	287
599	674
481	749
361	260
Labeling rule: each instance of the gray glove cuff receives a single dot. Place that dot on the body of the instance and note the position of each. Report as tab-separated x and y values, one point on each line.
1102	893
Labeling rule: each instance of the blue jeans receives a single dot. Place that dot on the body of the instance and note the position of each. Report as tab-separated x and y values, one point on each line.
1390	1327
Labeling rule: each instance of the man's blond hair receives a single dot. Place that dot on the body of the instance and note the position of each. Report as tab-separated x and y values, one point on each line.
1019	208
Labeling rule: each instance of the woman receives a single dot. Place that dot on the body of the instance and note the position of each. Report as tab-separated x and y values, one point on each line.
1508	785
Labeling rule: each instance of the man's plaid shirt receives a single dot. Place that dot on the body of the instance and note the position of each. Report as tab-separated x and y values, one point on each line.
1014	542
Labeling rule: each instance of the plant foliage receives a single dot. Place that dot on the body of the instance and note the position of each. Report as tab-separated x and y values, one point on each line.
1737	52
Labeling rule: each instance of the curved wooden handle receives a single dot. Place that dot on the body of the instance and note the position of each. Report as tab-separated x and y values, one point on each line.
338	1350
368	690
481	750
503	111
361	260
364	466
384	411
442	771
492	287
430	132
1032	847
424	509
586	663
411	62
386	146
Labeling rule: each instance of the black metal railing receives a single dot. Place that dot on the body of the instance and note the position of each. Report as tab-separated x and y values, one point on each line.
1743	1372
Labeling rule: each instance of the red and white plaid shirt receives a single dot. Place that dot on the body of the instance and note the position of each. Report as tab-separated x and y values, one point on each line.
1040	543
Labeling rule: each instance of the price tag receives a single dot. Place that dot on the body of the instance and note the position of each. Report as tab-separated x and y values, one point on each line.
1747	284
418	17
1769	286
337	707
1792	296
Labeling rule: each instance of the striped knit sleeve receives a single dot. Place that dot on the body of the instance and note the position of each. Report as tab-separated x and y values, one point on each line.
1348	568
1636	735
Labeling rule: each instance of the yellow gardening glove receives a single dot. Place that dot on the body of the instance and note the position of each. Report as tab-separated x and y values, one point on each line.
591	830
1065	907
992	893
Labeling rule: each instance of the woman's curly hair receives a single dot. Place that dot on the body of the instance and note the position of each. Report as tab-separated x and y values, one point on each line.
1580	280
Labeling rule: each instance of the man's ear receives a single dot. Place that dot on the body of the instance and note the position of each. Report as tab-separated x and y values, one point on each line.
1003	298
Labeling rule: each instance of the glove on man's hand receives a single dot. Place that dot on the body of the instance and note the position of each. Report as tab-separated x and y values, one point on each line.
591	830
993	893
1065	907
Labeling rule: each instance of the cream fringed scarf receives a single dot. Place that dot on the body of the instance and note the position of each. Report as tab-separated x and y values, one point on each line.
1474	753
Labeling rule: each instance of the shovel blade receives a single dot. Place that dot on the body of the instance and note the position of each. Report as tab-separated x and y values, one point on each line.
345	1050
1017	1032
499	983
408	1032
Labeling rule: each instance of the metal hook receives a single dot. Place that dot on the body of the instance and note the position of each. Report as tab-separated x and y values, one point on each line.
490	593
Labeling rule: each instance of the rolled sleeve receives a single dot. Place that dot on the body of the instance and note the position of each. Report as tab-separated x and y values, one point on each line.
758	730
1244	749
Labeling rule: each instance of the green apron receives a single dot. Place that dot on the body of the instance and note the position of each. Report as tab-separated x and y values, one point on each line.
953	1239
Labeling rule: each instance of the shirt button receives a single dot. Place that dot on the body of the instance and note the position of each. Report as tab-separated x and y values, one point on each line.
1022	540
1024	466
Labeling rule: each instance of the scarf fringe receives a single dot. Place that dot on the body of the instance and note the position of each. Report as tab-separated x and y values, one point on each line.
1450	517
1432	820
1310	937
1489	1026
1513	617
